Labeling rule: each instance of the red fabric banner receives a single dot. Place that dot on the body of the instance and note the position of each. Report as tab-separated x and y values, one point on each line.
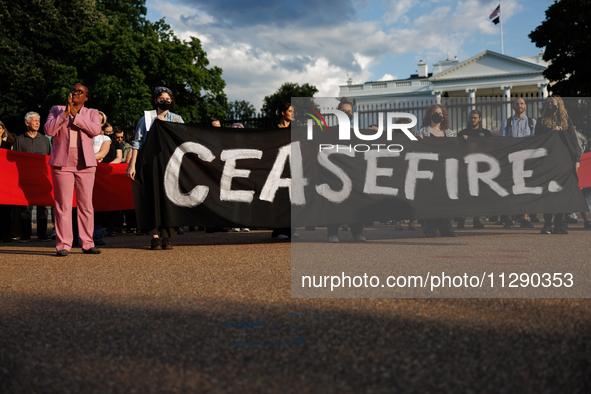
26	180
585	171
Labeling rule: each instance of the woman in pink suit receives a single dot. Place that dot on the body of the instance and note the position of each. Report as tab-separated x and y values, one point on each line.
73	165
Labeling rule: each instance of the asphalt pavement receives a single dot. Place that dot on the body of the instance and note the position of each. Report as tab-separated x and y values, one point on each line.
216	314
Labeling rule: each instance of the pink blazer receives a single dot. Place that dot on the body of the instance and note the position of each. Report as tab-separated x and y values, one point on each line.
88	124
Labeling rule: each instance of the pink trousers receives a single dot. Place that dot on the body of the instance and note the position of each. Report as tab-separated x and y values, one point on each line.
65	179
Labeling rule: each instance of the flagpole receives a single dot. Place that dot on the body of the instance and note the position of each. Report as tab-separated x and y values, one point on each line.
501	18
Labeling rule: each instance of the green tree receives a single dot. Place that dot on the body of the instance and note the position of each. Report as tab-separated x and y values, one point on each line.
239	110
111	47
284	94
35	40
565	36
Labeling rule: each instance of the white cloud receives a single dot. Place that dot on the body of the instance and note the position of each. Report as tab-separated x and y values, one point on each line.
398	11
257	59
388	77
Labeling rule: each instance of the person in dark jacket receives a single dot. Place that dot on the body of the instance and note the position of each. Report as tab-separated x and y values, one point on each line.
555	119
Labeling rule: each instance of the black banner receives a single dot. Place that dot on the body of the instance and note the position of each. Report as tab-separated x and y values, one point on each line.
192	175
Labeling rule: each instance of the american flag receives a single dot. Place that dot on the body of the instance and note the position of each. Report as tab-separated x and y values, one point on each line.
495	13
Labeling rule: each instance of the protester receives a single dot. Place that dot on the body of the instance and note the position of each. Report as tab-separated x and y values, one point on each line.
163	101
119	136
6	141
6	138
356	228
101	145
73	166
474	129
285	113
115	153
555	119
519	125
437	120
33	142
107	129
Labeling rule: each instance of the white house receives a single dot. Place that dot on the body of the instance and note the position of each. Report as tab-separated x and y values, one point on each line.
488	74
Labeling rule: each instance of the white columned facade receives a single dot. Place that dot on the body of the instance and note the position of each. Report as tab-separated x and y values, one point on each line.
472	98
507	98
543	90
437	94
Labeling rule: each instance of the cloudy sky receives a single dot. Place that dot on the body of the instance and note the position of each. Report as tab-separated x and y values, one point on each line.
260	44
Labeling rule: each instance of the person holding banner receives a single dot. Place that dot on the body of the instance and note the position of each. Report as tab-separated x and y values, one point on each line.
285	112
555	119
474	129
356	228
437	119
73	166
163	101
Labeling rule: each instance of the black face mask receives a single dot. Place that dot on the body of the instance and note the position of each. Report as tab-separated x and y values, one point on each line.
165	106
436	118
552	108
349	114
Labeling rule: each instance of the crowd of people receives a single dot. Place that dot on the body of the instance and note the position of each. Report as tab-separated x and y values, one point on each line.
77	138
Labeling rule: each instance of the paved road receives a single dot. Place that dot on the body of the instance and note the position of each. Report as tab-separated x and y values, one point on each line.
216	315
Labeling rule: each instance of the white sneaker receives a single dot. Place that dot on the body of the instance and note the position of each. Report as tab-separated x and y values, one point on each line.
359	238
246	230
235	230
333	239
295	235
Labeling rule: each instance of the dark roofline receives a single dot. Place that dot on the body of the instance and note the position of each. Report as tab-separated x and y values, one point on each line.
412	76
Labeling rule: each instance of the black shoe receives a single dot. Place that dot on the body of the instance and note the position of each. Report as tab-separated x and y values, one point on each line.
62	253
526	224
461	225
546	230
449	234
559	230
156	244
587	225
44	239
478	224
180	231
92	250
572	220
23	240
166	243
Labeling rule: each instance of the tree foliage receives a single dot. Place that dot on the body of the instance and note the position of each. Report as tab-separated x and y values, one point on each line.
109	45
285	93
565	36
240	110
